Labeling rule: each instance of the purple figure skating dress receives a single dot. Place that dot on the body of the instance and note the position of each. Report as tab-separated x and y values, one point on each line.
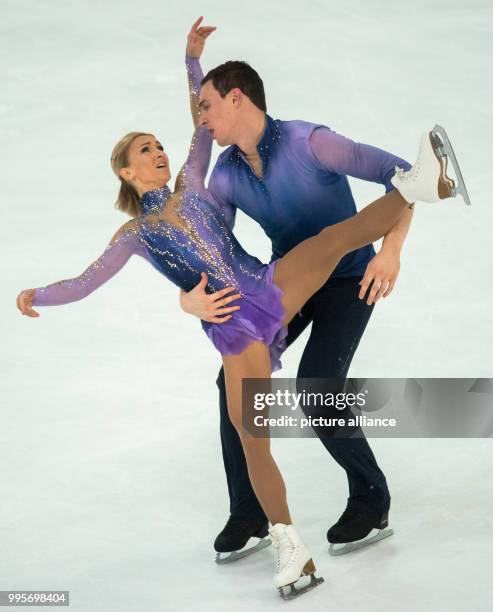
183	234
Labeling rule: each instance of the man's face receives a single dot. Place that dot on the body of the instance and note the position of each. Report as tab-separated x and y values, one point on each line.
217	114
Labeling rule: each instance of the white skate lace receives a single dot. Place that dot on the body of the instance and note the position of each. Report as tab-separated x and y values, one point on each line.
286	552
412	174
405	176
399	172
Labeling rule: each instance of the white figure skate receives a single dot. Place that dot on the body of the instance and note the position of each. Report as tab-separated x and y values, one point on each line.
293	561
427	180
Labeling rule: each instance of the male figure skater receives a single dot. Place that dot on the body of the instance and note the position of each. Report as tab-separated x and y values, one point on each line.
291	177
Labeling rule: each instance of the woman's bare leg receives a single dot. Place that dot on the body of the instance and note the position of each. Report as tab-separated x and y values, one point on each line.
306	267
266	479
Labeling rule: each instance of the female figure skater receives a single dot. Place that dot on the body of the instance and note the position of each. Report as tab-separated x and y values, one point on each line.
183	234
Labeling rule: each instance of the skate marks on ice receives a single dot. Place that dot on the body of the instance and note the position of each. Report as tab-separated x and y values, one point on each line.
242	553
335	550
443	150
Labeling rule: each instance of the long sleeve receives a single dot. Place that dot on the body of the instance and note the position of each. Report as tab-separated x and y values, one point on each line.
195	76
99	272
218	188
194	170
339	154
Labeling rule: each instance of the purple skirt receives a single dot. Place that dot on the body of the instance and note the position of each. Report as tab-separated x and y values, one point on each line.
259	318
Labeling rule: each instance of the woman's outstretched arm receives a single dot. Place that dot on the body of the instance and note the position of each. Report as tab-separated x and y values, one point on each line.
195	76
122	246
194	170
209	307
195	47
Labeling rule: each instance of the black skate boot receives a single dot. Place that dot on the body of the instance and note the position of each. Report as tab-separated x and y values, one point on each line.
354	530
235	536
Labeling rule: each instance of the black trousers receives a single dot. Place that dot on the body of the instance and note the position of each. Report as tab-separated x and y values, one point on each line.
339	319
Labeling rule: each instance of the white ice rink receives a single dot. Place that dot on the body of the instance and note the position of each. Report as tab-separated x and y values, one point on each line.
111	478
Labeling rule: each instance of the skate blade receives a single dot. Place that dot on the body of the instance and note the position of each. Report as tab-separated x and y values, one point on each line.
296	591
341	549
443	147
240	554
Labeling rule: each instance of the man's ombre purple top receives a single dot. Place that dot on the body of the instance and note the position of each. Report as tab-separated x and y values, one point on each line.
304	185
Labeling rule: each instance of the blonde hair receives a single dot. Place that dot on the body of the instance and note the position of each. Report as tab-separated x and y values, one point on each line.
128	199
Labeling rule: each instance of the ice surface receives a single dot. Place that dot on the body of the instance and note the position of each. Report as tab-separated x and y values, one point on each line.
112	483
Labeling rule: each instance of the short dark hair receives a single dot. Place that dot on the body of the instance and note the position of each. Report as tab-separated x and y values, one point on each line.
238	74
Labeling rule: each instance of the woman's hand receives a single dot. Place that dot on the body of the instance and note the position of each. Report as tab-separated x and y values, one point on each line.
25	301
208	306
197	37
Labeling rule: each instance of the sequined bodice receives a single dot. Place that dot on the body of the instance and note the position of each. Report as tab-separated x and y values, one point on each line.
186	234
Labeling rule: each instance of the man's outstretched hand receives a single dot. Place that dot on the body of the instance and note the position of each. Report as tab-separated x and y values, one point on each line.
381	273
197	37
208	306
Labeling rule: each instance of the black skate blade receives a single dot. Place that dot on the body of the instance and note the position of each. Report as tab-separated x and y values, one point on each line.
235	555
448	150
335	550
296	591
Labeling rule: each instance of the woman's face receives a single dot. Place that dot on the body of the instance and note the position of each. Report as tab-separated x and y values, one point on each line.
148	164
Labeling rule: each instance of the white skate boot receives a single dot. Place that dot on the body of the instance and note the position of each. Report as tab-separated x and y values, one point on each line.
293	561
427	180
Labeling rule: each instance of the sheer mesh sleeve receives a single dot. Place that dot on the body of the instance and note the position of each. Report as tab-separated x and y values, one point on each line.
344	156
193	173
218	188
195	76
124	244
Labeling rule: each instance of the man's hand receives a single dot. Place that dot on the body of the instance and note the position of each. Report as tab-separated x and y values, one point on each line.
208	306
197	37
382	271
